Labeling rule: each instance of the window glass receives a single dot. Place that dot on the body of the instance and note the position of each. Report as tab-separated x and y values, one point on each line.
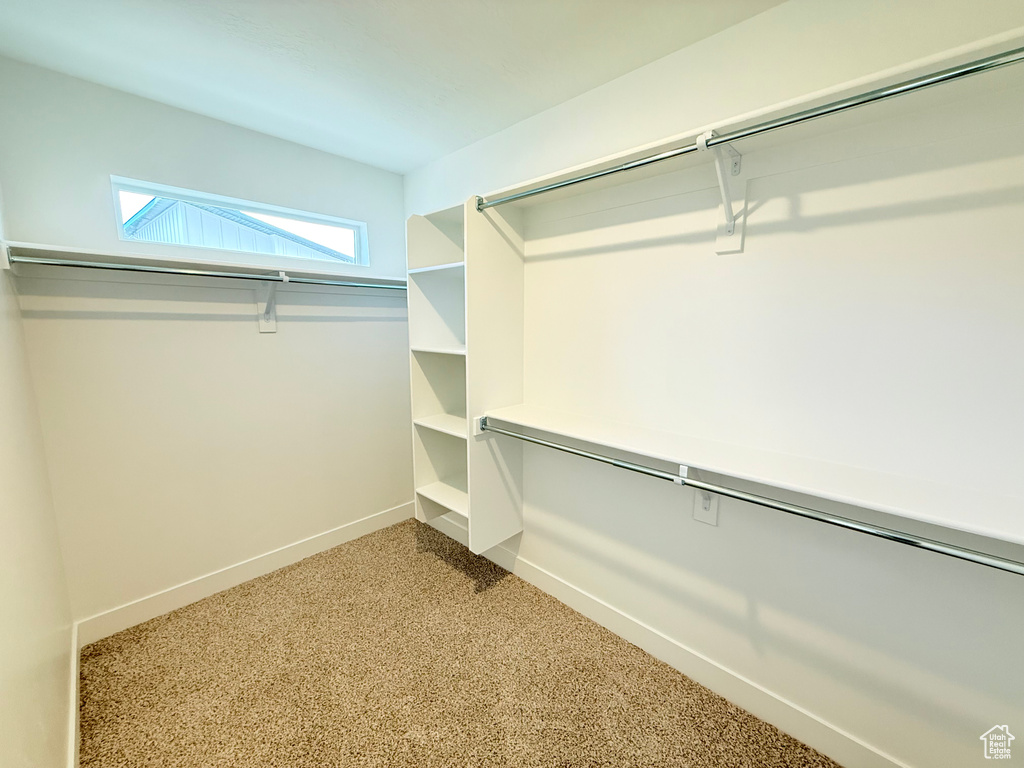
199	220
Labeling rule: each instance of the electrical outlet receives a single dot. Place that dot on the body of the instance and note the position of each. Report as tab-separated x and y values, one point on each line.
705	507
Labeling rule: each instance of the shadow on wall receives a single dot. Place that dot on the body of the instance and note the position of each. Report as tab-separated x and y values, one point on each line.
681	207
704	203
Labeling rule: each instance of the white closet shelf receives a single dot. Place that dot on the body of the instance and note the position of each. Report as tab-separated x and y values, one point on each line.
448	496
805	130
438	267
445	422
302	268
994	516
461	350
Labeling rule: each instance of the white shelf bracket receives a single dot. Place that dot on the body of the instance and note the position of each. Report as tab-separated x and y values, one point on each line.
733	188
5	256
266	305
705	507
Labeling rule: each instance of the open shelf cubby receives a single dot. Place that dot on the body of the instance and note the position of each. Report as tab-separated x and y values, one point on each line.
435	240
439	392
441	471
437	308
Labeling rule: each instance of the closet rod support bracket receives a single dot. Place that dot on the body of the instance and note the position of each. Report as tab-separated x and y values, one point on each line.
266	305
733	189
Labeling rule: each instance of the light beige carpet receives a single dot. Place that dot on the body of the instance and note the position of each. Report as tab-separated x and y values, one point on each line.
400	649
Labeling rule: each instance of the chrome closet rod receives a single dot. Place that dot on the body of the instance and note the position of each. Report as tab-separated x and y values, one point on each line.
267	278
961	553
995	61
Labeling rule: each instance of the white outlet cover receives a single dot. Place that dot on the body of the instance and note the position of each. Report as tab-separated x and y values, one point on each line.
705	507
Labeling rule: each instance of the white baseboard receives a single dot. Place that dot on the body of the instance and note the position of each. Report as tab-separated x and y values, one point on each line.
73	699
104	624
842	747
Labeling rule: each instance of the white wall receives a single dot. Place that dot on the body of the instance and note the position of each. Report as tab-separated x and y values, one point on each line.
35	619
181	441
873	320
63	139
876	305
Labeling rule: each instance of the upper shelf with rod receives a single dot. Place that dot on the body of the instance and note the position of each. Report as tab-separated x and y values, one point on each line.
75	260
997	518
720	143
61	256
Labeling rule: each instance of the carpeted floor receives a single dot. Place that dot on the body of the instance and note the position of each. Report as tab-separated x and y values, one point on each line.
400	649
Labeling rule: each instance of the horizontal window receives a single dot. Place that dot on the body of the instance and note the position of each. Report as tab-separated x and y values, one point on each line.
154	213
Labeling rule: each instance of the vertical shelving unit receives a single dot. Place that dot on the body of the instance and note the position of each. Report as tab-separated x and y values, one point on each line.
437	340
466	356
495	270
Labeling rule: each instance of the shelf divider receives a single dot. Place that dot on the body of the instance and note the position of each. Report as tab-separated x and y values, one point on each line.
445	422
438	267
441	350
448	496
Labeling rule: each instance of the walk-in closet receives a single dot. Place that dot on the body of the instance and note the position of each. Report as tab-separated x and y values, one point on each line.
490	385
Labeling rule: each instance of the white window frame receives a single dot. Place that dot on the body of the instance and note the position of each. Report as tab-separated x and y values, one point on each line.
244	258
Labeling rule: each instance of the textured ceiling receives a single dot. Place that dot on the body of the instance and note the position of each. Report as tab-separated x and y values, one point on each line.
393	83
